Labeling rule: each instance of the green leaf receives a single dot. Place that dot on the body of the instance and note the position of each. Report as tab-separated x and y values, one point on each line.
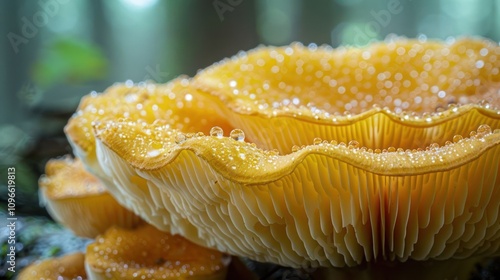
69	61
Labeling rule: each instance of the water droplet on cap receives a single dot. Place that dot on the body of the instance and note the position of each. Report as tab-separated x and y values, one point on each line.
483	130
153	153
179	138
485	104
457	138
273	152
216	131
353	144
237	134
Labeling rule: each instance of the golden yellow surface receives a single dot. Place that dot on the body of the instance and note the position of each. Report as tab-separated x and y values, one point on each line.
312	156
79	201
404	75
67	178
68	267
175	104
147	253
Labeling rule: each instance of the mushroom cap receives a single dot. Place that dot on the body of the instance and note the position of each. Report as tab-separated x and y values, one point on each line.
323	205
70	266
274	94
79	201
147	253
175	104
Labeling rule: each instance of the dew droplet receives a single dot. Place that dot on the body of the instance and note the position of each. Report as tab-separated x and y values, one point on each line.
391	149
334	142
485	104
180	138
434	146
237	134
216	131
457	138
317	141
153	153
273	152
353	144
483	130
295	148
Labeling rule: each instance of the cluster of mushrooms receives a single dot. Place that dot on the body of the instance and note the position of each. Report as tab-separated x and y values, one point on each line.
365	162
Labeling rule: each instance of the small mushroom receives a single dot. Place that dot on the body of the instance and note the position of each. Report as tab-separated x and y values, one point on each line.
147	253
79	201
66	267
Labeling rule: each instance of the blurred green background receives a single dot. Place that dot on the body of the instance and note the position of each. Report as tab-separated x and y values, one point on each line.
55	51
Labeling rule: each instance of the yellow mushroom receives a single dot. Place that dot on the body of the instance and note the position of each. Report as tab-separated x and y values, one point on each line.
147	253
63	268
79	201
408	173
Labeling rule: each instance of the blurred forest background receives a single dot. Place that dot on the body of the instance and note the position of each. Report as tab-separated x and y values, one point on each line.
55	51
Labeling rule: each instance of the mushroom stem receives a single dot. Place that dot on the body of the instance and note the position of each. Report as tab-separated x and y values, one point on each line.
430	270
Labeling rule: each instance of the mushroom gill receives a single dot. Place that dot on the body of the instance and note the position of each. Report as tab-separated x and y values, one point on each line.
326	204
147	253
79	201
66	267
